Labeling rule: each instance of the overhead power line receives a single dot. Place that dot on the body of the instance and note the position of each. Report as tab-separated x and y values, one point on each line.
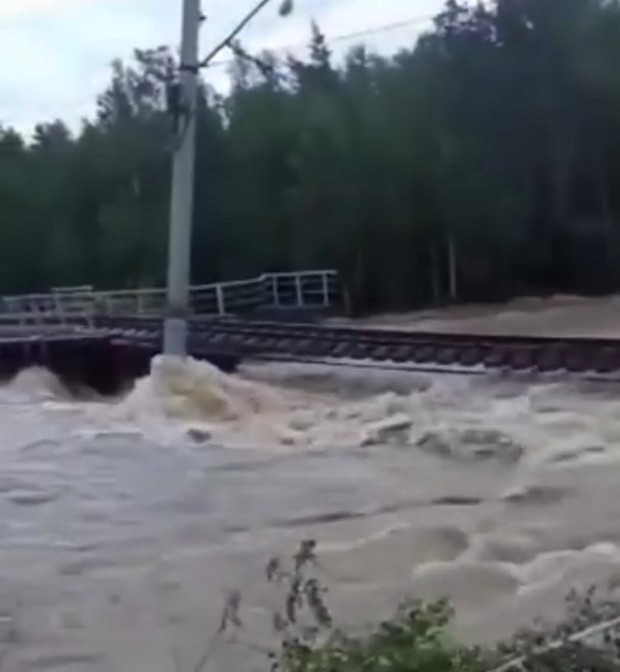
344	37
381	29
231	37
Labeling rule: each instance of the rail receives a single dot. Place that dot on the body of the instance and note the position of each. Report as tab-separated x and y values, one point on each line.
227	340
304	289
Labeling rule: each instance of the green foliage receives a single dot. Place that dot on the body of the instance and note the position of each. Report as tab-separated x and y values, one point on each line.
416	639
479	163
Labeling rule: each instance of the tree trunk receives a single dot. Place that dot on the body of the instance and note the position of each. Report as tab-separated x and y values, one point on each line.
435	276
452	268
561	173
611	242
358	279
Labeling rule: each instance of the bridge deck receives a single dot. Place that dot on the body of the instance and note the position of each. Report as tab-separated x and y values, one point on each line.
49	334
108	351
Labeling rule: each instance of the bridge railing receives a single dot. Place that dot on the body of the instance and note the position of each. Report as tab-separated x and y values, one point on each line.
305	289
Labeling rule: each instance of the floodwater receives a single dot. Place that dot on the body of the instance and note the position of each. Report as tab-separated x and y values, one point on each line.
125	524
530	316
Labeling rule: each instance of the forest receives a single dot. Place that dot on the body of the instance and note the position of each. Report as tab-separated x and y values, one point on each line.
481	163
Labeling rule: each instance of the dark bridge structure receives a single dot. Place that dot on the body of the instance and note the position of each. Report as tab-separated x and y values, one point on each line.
103	340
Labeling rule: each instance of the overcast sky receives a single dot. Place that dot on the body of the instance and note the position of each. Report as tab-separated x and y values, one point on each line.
55	54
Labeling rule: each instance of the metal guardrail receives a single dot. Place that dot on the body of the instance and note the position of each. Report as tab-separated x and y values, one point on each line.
305	289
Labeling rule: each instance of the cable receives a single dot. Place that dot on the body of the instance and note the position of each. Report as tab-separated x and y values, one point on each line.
228	40
267	69
380	29
343	37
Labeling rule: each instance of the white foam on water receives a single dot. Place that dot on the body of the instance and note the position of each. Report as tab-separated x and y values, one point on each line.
187	395
538	425
547	452
35	384
191	389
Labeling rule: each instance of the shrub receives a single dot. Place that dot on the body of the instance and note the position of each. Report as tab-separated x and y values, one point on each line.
416	639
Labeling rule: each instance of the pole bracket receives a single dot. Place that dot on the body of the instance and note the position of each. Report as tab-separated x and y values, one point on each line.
188	67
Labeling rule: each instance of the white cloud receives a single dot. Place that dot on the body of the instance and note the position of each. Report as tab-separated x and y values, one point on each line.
12	9
57	52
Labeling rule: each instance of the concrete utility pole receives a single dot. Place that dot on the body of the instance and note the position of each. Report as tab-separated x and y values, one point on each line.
182	197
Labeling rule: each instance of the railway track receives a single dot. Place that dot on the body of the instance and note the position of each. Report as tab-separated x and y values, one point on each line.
295	342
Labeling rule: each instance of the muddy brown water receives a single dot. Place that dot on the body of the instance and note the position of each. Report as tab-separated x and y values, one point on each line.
122	531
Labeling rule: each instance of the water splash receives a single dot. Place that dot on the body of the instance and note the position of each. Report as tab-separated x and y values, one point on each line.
36	384
189	389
